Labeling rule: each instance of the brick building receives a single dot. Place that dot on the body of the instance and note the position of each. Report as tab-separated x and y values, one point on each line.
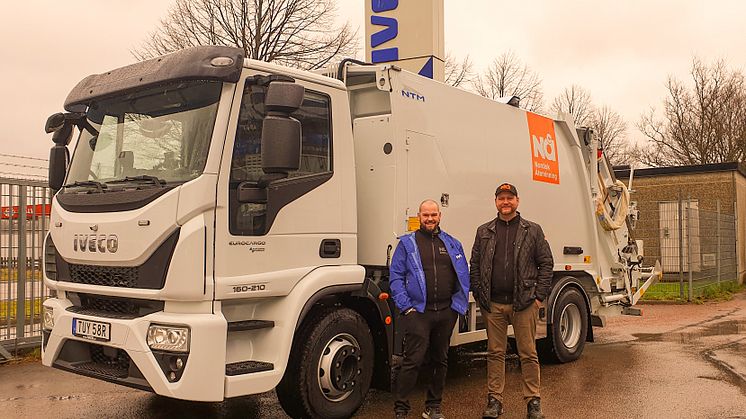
716	235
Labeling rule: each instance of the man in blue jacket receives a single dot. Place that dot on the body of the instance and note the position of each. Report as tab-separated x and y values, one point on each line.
429	279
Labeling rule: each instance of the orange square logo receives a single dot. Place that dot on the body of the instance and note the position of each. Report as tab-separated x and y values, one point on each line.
544	156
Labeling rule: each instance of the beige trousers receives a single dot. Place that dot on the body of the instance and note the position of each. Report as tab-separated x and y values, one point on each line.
524	329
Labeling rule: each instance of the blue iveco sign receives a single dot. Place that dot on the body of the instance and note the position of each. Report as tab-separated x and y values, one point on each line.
388	33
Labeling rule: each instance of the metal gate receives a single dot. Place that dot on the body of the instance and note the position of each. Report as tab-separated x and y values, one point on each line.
697	247
24	221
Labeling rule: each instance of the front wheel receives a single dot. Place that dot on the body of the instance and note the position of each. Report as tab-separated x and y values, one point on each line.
566	335
330	367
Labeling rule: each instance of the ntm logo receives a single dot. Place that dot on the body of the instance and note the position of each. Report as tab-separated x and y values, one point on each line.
413	95
389	32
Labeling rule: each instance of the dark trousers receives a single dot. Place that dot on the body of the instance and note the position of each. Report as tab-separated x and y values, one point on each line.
428	332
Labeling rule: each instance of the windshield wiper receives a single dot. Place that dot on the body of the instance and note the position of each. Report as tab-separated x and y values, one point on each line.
87	184
141	178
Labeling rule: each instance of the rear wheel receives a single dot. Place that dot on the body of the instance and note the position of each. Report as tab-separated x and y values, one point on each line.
567	333
330	367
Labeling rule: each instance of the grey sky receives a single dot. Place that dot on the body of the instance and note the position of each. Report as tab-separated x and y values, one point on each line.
621	52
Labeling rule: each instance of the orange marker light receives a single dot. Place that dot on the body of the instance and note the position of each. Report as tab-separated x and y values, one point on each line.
383	296
388	320
568	267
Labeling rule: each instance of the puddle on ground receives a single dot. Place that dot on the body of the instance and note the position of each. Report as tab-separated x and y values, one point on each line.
27	386
472	358
62	398
729	359
726	328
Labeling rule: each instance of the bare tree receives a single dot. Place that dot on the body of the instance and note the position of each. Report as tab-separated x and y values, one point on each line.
704	122
297	33
508	76
576	101
609	127
611	131
458	73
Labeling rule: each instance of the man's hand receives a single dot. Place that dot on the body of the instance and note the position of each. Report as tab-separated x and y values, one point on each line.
538	303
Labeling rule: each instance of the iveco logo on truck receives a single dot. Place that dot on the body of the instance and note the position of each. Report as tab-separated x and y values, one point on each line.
101	243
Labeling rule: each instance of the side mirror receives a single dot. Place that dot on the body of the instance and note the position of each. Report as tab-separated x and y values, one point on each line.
61	127
283	97
58	156
281	145
281	134
54	122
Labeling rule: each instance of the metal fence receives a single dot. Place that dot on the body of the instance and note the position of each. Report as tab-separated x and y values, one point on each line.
24	221
695	246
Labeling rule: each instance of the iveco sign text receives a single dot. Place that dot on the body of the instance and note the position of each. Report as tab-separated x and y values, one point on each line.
390	31
93	243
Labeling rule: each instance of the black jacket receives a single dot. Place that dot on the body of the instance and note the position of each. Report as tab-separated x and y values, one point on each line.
533	265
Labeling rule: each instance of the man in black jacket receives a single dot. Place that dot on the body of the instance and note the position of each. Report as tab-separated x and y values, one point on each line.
511	272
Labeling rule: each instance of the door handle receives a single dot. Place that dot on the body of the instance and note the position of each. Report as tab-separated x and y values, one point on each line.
330	248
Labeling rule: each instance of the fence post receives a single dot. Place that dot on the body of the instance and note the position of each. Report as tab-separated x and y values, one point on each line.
735	243
21	284
718	232
689	243
681	247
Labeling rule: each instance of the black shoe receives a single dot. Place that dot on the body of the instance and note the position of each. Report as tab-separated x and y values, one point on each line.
494	408
432	413
534	409
401	415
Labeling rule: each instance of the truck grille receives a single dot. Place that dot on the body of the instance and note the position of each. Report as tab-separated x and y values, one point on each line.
50	258
112	307
115	364
110	276
102	362
150	275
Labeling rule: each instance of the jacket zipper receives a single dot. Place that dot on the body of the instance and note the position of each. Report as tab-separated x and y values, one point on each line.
435	274
507	242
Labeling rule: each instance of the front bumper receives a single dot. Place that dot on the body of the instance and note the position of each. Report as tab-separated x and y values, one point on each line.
126	359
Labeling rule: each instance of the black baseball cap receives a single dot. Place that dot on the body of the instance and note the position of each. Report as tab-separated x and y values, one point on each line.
506	187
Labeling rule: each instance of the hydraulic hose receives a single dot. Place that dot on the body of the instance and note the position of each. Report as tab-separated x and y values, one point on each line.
617	220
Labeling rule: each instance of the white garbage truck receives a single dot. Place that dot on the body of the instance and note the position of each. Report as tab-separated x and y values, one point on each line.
224	226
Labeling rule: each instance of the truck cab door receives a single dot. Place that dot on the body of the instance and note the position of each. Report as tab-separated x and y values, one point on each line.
264	249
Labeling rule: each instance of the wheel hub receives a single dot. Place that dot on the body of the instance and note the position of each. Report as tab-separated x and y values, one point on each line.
339	367
570	326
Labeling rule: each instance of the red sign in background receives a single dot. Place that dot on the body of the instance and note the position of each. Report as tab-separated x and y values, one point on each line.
38	210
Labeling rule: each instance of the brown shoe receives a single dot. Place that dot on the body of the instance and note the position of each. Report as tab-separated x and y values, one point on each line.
533	408
494	408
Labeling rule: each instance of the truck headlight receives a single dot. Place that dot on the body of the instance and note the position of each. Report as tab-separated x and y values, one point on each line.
168	338
48	313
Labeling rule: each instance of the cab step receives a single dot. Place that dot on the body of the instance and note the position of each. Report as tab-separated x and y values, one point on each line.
247	367
250	325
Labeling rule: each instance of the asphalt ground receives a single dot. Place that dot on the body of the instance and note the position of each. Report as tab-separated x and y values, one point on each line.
676	361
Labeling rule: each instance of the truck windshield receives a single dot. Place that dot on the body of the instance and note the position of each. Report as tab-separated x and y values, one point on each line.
161	134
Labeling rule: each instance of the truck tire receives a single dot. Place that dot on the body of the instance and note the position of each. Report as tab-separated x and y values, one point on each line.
330	367
566	335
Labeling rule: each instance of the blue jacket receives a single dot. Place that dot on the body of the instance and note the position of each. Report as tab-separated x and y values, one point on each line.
407	277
